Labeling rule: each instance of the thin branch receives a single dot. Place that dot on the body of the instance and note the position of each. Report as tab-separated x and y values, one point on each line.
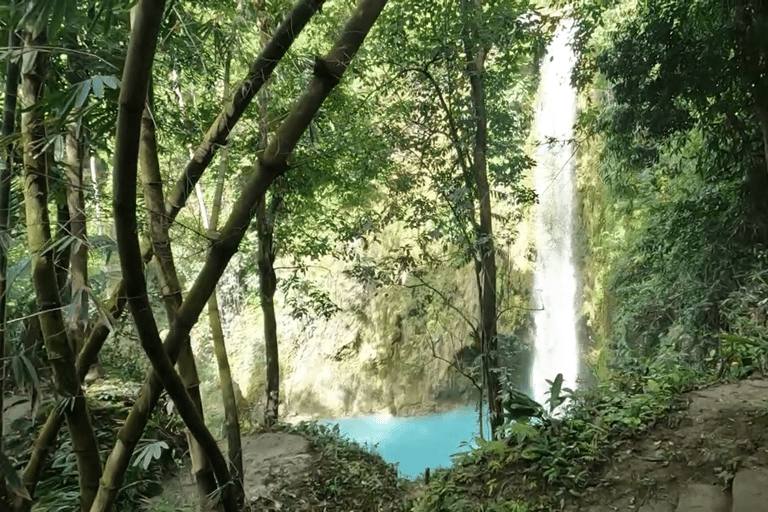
452	125
453	365
446	301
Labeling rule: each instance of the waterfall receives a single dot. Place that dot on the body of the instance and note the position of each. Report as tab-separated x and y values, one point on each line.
556	346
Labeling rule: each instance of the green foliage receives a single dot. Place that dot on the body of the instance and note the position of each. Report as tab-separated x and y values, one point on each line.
306	299
679	227
519	408
431	121
347	476
148	451
58	490
542	462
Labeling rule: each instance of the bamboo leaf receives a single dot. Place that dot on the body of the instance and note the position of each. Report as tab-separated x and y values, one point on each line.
31	372
97	83
111	81
104	315
19	269
554	392
81	93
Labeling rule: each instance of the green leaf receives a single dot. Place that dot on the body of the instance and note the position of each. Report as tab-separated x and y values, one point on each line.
81	93
149	452
652	386
98	86
555	400
31	372
104	315
737	340
111	81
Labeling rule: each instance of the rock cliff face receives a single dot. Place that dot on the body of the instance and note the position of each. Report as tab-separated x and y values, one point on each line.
374	355
385	348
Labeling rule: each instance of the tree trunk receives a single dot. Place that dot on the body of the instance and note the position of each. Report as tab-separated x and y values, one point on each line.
60	354
265	225
265	222
271	164
234	445
133	94
129	435
231	420
752	19
45	443
62	253
78	262
261	70
171	288
6	164
485	263
94	166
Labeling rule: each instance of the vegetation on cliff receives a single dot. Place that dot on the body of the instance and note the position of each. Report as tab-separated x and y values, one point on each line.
674	200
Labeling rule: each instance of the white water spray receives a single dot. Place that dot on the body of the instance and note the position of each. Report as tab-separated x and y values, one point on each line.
554	282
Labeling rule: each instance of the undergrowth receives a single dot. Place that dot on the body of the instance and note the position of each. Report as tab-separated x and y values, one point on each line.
162	447
544	465
345	476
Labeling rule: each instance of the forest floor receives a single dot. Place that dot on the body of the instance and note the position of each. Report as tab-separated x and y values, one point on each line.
271	462
711	456
291	470
708	454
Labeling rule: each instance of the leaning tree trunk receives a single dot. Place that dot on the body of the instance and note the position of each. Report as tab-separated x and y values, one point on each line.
78	260
272	163
261	69
60	353
171	288
485	266
133	94
6	164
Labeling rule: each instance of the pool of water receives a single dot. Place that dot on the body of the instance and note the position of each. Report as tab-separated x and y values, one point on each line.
414	443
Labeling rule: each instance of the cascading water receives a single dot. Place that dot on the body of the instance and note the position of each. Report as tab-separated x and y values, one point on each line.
556	346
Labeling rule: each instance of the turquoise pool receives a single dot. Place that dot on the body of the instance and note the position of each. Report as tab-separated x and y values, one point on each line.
414	443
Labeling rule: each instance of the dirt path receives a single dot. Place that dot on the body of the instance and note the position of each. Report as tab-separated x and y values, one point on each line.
270	461
709	457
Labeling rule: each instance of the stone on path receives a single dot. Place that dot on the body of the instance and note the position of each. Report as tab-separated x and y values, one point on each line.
750	490
704	498
273	459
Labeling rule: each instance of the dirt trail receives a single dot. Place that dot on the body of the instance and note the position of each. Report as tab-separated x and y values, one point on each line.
271	461
711	456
